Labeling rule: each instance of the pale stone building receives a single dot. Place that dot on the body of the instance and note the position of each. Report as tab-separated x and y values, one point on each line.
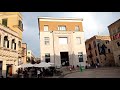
30	56
62	41
11	29
8	50
99	50
114	30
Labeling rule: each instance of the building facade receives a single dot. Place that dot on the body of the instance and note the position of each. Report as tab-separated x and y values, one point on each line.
62	41
114	30
24	53
11	29
30	56
99	50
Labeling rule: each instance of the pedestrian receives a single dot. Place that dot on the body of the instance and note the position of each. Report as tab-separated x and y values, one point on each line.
38	73
96	66
70	68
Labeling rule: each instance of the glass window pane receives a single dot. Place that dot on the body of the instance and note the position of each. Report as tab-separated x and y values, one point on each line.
78	39
63	40
45	27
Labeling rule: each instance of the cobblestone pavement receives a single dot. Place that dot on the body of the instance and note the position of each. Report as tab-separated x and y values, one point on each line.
109	72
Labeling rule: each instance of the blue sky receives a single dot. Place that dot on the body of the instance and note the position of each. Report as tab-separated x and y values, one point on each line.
93	22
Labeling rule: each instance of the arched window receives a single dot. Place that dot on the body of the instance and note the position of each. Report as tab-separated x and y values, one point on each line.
19	44
89	48
6	42
94	43
13	44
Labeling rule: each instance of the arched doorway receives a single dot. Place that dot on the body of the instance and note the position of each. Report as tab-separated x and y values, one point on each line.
8	70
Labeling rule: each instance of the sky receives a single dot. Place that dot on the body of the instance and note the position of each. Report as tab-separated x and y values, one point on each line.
94	23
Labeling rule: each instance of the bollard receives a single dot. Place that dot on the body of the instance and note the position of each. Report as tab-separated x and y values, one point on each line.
81	68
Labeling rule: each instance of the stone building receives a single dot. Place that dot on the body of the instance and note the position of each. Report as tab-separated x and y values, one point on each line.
99	50
11	29
114	30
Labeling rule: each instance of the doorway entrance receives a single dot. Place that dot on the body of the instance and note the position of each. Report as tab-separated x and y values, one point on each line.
0	68
64	58
9	70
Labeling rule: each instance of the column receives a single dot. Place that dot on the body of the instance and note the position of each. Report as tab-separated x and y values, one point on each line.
9	42
16	41
2	40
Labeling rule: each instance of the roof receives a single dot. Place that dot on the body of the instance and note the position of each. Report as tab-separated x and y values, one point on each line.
95	36
114	22
62	18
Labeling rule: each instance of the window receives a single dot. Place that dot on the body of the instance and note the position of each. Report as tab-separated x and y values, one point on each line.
118	29
62	28
118	44
80	56
6	42
89	47
114	32
108	50
95	52
45	27
94	44
19	44
20	24
78	39
63	40
13	44
46	40
47	57
107	42
4	22
77	28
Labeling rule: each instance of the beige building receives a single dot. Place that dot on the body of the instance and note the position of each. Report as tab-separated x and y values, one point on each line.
99	50
30	56
62	41
11	29
24	53
114	30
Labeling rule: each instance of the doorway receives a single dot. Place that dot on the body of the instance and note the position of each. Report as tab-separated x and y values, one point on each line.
64	58
0	68
9	70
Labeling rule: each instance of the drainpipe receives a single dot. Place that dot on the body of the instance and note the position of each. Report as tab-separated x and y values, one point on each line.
53	48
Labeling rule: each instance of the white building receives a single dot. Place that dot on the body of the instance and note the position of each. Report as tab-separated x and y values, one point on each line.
30	55
62	41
